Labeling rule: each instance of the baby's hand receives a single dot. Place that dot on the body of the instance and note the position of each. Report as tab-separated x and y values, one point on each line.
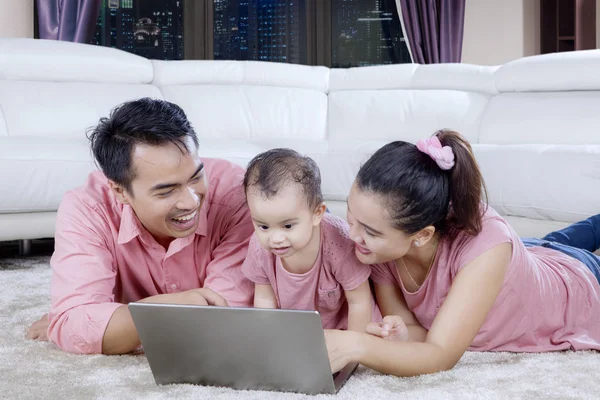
391	328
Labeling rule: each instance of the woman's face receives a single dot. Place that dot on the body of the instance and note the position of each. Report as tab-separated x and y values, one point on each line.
376	240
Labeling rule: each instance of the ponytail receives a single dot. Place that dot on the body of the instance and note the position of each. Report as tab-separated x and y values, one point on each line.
427	187
467	188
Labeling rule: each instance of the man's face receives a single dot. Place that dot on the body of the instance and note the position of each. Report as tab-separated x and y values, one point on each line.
167	191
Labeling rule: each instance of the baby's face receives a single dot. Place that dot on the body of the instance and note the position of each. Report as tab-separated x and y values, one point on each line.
284	224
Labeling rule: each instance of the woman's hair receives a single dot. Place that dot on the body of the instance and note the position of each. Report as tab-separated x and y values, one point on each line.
274	169
418	193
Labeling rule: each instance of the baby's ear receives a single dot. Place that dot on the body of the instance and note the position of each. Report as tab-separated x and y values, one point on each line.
318	213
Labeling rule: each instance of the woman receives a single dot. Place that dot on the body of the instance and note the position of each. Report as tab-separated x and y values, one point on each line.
451	275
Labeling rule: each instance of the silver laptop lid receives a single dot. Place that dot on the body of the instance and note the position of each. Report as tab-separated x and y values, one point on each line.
241	348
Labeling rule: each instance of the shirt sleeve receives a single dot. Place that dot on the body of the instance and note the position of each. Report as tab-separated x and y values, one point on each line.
347	270
351	273
494	231
254	265
224	273
382	274
83	279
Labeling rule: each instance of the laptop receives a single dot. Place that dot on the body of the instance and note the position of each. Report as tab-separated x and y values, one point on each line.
240	348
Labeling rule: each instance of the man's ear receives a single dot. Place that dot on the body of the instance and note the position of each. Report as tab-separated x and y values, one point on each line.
318	213
119	192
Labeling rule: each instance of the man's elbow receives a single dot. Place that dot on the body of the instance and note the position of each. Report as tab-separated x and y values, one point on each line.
67	339
117	350
74	344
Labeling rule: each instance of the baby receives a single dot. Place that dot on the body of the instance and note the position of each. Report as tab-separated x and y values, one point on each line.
301	257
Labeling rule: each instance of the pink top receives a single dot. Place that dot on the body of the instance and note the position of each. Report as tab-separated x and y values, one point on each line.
321	288
549	301
105	258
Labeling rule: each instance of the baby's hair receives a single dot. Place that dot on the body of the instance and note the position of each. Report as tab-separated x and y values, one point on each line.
274	169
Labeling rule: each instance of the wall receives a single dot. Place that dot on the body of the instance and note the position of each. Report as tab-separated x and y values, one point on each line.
500	31
16	18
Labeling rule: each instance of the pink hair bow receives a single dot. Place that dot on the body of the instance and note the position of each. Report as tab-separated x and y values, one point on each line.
443	156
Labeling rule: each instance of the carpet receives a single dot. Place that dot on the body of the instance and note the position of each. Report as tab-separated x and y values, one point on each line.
33	370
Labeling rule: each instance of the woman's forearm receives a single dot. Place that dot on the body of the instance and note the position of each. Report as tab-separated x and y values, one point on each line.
401	358
416	333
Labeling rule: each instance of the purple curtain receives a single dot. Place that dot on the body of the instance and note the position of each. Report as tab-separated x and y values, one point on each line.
434	29
69	20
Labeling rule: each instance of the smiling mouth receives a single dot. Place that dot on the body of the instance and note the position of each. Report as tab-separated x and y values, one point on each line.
280	250
185	218
361	249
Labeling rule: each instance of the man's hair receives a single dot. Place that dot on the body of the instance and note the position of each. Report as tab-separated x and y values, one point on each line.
272	170
143	121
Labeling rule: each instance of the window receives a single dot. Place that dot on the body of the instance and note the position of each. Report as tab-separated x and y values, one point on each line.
263	30
366	32
149	28
335	33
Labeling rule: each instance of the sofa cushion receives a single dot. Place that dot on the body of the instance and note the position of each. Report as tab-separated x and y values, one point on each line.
567	118
240	73
62	109
37	171
463	77
564	71
61	61
403	114
3	127
548	182
252	112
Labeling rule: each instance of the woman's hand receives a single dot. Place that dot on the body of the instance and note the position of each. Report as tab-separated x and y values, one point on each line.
343	347
391	328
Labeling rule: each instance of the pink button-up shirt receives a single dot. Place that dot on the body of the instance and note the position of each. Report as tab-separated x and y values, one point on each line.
105	258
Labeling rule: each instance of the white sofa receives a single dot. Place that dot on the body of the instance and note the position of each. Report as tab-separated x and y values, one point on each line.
534	122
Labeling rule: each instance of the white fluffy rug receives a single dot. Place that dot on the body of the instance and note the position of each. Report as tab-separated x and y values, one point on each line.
34	370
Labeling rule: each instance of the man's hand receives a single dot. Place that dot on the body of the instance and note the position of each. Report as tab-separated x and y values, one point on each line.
195	297
121	337
39	329
203	297
391	328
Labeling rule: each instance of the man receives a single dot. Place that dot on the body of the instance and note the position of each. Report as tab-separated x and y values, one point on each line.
158	224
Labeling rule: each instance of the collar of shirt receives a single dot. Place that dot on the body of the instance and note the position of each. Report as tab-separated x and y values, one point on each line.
131	227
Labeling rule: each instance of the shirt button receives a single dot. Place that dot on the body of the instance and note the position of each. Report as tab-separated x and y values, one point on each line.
174	286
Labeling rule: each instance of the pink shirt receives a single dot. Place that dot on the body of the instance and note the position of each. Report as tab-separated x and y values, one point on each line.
549	301
321	288
105	258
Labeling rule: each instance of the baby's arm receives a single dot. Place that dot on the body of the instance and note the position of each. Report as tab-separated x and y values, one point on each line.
360	307
264	296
